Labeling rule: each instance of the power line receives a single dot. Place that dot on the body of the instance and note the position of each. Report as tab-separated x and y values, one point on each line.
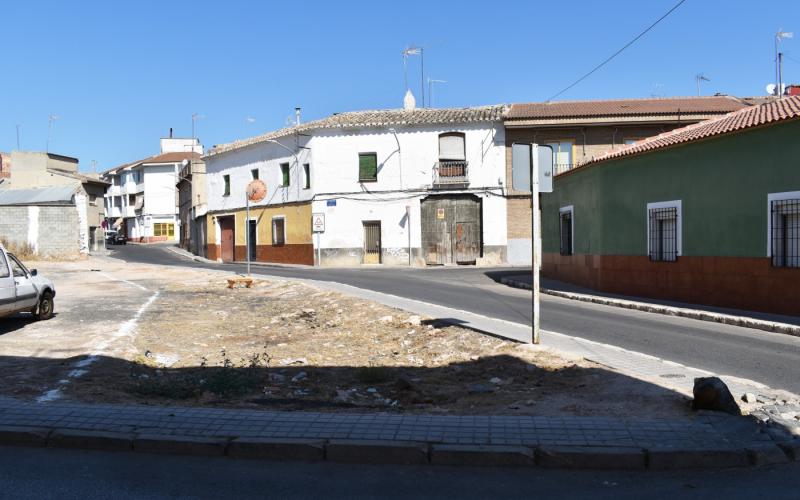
615	54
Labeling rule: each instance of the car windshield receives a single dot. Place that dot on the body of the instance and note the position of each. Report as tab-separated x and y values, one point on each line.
18	269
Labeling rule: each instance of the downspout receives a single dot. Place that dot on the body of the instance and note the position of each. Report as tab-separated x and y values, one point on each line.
614	138
399	156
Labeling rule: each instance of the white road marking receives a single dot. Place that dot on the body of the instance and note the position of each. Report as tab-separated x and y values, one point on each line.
131	283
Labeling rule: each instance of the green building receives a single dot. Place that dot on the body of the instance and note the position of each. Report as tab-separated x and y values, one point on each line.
706	214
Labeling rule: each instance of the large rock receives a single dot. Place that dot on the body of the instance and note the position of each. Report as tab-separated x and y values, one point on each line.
711	393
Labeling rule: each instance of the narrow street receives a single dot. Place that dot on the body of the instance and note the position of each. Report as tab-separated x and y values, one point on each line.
769	358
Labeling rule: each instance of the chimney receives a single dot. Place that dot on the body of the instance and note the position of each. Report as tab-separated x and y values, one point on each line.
297	116
170	132
409	102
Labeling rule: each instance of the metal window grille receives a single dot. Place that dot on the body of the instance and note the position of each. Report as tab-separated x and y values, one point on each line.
663	234
786	233
566	233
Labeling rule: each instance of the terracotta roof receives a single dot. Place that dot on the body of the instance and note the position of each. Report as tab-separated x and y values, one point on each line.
174	157
376	118
769	113
625	107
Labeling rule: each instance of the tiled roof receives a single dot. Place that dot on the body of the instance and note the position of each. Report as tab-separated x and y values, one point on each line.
625	107
376	118
174	157
768	113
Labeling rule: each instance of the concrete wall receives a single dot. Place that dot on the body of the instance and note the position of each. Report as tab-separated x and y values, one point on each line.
723	184
50	231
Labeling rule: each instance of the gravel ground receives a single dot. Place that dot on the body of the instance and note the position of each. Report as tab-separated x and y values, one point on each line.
161	335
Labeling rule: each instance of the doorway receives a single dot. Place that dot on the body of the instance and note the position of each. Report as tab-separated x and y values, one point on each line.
451	229
372	242
227	229
252	240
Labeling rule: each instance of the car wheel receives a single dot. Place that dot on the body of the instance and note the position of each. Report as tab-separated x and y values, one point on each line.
45	309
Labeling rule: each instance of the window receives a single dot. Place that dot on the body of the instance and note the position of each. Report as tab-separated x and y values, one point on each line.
163	229
664	230
93	200
254	173
131	199
17	268
562	155
367	167
307	174
227	180
784	229
452	147
4	271
628	142
278	231
567	230
285	174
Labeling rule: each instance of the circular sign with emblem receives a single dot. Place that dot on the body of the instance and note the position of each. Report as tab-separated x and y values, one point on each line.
256	190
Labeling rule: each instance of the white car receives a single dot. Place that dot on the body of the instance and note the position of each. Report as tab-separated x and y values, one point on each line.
22	290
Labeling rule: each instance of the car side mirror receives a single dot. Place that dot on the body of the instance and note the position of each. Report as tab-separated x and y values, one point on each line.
34	272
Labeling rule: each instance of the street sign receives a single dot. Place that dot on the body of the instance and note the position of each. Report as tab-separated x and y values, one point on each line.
521	166
330	203
318	223
440	213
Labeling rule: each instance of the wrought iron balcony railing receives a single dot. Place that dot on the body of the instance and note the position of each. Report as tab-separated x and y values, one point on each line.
451	172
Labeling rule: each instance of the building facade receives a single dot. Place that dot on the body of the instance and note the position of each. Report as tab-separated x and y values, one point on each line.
142	199
579	131
398	187
706	214
193	206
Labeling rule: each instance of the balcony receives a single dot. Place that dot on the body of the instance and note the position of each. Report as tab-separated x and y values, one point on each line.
450	174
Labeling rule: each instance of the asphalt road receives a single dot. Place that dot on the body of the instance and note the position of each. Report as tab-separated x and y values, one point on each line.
769	358
63	474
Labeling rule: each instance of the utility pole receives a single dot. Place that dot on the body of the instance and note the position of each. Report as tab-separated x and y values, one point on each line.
536	241
780	35
18	125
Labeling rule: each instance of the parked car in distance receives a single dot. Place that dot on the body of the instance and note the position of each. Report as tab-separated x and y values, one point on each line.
114	237
23	290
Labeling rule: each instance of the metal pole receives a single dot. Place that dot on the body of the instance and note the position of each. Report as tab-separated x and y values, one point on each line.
408	227
247	230
422	73
17	137
536	241
319	252
405	70
780	75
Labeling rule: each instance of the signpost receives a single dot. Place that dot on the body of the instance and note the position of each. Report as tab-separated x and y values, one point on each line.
532	171
317	227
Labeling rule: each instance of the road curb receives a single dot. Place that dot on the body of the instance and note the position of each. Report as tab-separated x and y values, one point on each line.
670	459
377	452
90	440
482	455
727	319
277	449
180	445
23	436
590	457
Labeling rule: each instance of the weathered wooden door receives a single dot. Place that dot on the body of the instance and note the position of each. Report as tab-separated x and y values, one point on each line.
227	228
372	242
451	229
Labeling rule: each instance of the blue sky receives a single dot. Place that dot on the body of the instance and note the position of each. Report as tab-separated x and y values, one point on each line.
120	74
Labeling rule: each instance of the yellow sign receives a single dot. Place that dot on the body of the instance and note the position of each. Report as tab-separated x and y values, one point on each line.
440	213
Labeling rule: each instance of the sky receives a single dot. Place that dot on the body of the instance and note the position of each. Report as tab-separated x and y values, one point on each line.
118	75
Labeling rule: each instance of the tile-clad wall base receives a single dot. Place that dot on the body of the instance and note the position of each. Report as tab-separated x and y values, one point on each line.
284	254
749	283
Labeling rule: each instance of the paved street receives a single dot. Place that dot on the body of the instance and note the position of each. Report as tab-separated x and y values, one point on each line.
95	475
766	357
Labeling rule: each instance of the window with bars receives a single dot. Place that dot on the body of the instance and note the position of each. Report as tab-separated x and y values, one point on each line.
785	232
663	227
565	218
278	231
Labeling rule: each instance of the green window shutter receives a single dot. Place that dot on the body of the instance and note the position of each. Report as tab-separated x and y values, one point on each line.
284	174
368	167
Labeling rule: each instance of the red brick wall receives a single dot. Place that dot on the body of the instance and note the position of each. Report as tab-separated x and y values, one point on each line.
735	282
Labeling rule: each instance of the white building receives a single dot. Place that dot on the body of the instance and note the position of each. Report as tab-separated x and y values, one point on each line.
418	186
142	197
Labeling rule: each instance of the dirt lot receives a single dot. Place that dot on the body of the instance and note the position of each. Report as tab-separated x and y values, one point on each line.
159	335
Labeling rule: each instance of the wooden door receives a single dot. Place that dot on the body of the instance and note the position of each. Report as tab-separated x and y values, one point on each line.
372	242
467	242
227	227
451	229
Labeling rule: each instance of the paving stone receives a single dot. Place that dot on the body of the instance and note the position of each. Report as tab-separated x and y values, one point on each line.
23	436
484	455
183	445
590	457
90	440
766	454
376	452
659	458
277	449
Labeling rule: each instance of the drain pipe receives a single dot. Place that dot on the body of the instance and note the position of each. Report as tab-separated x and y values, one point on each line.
399	156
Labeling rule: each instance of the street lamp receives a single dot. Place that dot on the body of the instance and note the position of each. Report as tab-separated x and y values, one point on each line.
780	35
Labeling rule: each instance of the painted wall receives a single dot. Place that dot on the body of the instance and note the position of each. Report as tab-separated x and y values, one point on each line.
723	185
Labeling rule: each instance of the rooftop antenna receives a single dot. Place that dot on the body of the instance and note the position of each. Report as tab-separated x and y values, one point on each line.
50	121
415	51
431	81
780	35
700	77
18	126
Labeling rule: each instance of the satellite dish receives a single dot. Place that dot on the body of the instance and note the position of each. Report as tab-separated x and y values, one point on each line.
771	88
256	190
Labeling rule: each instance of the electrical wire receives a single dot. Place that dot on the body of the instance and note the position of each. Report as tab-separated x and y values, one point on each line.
615	54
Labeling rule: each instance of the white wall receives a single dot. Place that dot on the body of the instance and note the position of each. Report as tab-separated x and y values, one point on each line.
159	189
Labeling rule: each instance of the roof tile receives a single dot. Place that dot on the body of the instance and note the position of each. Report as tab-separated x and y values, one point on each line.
625	107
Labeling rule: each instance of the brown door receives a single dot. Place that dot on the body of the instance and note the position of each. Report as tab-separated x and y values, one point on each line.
372	242
227	227
451	229
467	242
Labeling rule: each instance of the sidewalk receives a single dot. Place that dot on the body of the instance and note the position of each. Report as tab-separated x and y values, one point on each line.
566	442
750	319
